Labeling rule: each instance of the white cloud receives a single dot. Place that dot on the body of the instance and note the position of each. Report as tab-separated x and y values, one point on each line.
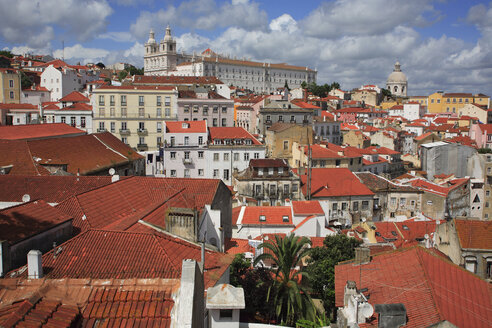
79	53
23	21
284	23
117	36
202	15
366	17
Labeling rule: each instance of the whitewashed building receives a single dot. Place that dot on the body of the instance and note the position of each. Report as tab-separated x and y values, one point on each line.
163	59
61	81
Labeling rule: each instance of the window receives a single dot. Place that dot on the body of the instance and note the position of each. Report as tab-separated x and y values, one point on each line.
186	140
158	101
236	157
294	187
403	201
286	189
226	174
123	126
141	126
216	173
200	154
159	112
205	110
101	100
344	206
82	122
111	112
355	206
124	140
168	101
246	156
11	83
262	218
141	100
141	140
365	205
73	121
471	264
141	112
200	140
216	109
123	111
195	109
159	126
102	113
226	156
186	173
112	126
200	172
214	122
285	218
280	118
168	112
286	145
172	155
393	201
216	157
257	155
111	100
159	141
123	100
224	122
224	109
101	124
173	173
334	207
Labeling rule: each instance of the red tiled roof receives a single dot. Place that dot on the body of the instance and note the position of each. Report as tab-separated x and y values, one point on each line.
416	230
457	94
95	153
372	150
52	189
474	233
463	140
76	107
308	207
268	162
105	254
74	96
18	106
190	127
136	87
431	288
320	152
303	104
274	215
237	246
430	187
423	136
334	182
143	79
34	131
29	219
231	133
416	125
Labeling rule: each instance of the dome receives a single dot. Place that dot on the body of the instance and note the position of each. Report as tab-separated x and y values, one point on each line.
168	36
397	76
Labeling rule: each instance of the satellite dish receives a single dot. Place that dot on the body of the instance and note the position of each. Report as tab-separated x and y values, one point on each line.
26	198
366	310
112	171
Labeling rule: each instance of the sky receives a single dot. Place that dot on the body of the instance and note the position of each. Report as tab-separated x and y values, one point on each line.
441	45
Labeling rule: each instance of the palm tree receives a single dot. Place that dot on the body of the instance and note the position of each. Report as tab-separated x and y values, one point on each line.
289	295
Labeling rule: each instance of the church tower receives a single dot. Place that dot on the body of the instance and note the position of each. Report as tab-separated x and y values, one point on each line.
397	82
168	51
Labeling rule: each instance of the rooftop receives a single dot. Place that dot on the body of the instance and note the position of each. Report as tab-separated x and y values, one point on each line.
231	133
38	131
186	127
267	215
75	96
474	233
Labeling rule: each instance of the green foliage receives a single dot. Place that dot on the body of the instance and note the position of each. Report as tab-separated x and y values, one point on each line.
26	81
100	65
286	85
321	266
255	284
122	75
321	320
108	80
6	53
386	93
4	62
484	150
288	294
320	90
135	71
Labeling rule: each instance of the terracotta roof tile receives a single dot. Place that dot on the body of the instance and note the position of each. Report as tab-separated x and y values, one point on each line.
474	233
28	219
231	133
75	96
143	79
431	288
274	215
308	207
186	127
35	131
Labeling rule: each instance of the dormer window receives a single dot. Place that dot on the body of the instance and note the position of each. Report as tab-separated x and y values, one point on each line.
270	171
237	141
228	141
262	218
285	218
260	171
248	141
185	125
217	142
280	170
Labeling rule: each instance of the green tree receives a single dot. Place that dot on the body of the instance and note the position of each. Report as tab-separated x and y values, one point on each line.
288	293
304	85
386	93
26	81
255	283
100	65
4	62
334	85
321	266
286	85
6	53
122	75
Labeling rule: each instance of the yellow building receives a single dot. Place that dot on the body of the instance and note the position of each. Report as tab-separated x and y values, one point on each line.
481	99
388	104
473	110
434	102
422	100
135	114
10	83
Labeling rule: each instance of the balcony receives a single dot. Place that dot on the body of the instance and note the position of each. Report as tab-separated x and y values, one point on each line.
184	145
142	132
187	161
142	147
102	130
125	132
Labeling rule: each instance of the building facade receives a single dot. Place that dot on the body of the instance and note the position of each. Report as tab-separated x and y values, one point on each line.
201	104
163	59
10	86
397	82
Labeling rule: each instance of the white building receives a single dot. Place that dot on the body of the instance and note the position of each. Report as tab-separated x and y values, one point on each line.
163	59
35	95
397	82
192	151
413	110
63	80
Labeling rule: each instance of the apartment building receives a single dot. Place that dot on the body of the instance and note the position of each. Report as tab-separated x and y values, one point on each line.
10	86
202	104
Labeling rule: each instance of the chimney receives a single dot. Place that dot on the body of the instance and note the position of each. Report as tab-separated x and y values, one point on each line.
115	178
391	315
34	265
362	255
202	262
350	290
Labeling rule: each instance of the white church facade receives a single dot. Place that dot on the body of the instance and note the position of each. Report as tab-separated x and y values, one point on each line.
397	82
163	59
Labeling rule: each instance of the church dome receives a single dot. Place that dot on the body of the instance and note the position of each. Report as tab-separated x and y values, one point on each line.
397	76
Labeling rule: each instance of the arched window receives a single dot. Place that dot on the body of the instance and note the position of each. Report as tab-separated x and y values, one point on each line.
396	88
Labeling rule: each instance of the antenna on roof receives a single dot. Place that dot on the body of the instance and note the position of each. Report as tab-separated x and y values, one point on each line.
63	50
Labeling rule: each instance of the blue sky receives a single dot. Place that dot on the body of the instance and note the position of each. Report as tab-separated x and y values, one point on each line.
442	44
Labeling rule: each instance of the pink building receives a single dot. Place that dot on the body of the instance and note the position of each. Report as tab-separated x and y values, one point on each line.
482	134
